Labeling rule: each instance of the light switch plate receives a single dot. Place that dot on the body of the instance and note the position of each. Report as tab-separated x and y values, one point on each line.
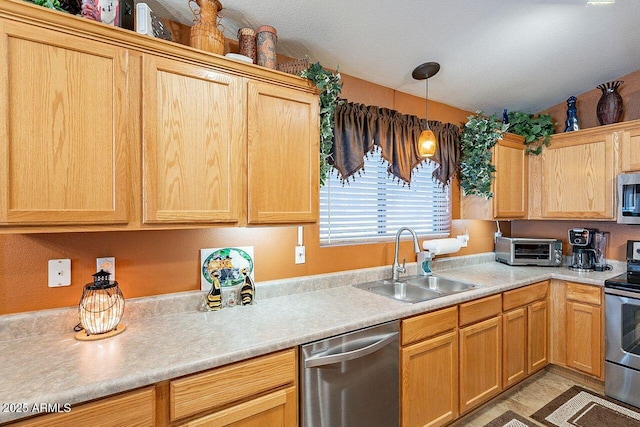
107	264
59	272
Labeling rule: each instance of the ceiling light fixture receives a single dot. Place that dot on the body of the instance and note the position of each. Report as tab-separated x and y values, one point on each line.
427	140
599	2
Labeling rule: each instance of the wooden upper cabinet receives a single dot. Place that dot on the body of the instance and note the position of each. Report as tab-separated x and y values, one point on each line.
63	128
510	187
630	149
193	143
283	154
578	174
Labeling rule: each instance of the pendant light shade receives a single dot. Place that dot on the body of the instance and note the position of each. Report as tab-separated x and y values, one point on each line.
427	143
427	140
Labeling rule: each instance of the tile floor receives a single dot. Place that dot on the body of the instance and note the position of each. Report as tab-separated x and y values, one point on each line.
524	398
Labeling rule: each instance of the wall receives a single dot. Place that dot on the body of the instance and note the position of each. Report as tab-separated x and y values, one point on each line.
587	104
157	262
619	233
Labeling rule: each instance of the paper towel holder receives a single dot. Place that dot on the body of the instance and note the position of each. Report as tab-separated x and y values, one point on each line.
463	238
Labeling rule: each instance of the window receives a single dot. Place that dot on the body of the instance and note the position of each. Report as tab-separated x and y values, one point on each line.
373	207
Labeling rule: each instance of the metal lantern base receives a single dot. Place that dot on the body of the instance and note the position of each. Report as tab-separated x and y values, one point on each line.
83	336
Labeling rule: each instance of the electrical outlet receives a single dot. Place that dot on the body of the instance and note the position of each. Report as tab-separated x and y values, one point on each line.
59	272
300	255
107	264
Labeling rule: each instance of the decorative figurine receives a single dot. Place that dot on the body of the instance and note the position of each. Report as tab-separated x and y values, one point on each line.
214	297
505	117
247	293
572	119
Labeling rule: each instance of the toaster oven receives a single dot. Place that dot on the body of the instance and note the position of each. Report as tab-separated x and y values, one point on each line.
528	251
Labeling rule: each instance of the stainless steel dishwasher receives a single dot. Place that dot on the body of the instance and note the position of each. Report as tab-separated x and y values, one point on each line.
351	380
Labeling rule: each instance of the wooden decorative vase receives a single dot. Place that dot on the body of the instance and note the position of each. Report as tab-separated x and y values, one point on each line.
205	34
610	106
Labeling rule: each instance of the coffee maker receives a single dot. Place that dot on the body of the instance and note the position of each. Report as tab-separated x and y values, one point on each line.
584	254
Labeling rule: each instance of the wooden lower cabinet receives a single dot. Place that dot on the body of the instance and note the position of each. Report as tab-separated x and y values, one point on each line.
577	327
514	350
584	338
525	332
480	362
537	336
256	392
274	409
135	408
429	369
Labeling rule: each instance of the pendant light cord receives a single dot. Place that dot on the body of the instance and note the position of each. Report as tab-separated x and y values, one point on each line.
426	103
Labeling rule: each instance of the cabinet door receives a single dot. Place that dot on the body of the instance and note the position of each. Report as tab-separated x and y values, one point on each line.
537	336
514	356
193	139
584	331
277	409
510	186
630	149
480	362
135	408
578	176
63	129
430	381
283	155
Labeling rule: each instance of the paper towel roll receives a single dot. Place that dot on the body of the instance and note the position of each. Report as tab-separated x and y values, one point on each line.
442	246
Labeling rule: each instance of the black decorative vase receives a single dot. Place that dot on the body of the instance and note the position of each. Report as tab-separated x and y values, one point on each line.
610	106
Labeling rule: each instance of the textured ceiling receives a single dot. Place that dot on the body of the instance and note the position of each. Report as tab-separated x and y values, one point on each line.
524	55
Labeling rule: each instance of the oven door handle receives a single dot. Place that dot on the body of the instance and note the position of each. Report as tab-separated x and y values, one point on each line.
316	361
622	293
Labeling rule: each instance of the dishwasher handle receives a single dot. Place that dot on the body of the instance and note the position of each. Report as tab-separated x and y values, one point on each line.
317	361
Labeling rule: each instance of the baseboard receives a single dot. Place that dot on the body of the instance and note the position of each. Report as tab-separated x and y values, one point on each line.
582	379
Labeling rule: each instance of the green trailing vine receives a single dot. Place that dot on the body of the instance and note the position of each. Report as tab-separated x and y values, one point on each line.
330	87
479	135
51	4
535	129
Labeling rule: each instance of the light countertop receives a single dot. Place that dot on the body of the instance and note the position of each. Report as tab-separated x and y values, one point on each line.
57	368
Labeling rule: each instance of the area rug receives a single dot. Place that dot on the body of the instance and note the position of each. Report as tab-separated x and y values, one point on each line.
510	419
581	407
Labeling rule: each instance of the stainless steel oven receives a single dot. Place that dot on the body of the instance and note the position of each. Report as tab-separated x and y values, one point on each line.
622	358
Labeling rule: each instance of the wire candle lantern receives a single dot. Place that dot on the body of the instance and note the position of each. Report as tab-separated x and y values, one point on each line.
100	309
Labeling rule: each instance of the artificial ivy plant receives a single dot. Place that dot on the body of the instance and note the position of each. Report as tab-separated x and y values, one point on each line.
51	4
330	87
479	135
535	129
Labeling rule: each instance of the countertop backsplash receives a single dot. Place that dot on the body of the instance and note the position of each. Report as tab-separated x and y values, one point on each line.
62	320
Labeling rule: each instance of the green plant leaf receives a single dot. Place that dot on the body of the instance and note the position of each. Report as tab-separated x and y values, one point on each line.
330	87
536	130
479	135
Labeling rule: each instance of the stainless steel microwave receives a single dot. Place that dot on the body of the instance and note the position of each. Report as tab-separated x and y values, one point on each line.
629	198
528	251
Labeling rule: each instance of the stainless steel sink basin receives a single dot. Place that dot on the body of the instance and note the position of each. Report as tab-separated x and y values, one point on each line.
439	284
416	288
400	291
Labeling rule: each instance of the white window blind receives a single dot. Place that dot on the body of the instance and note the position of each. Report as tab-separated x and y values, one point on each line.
373	207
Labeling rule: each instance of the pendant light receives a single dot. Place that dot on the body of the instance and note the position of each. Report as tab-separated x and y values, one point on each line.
427	140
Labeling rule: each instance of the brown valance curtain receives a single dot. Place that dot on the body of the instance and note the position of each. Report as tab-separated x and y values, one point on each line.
360	129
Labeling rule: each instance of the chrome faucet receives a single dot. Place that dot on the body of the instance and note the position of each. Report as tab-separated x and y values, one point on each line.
397	269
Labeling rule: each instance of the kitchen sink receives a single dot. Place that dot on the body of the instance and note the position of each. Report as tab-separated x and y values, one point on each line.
440	284
416	288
